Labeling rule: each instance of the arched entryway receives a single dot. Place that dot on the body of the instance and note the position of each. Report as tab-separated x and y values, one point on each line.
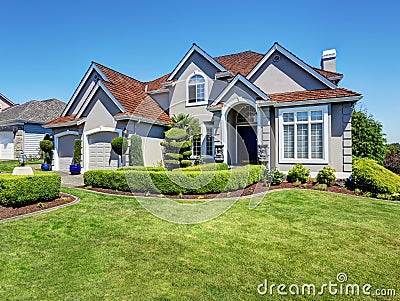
242	135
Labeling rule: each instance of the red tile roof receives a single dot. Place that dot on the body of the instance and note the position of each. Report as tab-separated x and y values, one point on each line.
328	74
312	95
242	62
61	120
132	96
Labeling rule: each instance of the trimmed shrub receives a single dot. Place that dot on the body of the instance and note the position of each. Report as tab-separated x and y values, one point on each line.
173	182
150	168
298	173
25	190
273	176
176	134
207	166
46	147
369	176
119	145
77	151
136	151
326	176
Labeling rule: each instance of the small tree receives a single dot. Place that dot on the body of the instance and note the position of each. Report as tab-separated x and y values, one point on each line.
77	151
392	159
119	145
368	139
135	151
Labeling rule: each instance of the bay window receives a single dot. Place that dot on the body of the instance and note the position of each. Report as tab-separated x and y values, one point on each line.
303	134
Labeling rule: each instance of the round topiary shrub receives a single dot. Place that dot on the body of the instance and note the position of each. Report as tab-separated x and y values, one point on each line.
298	173
46	146
326	176
119	145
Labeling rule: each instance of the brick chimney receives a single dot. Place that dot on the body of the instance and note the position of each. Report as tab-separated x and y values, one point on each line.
328	60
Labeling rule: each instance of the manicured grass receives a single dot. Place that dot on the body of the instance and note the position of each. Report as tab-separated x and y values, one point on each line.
8	165
110	248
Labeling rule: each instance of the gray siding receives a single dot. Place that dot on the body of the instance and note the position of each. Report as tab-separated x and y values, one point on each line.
33	134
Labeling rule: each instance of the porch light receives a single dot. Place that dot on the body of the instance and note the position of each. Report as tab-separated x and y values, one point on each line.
125	132
219	154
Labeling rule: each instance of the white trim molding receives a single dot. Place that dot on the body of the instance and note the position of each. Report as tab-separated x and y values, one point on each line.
325	134
56	137
202	53
82	83
100	85
293	58
85	139
206	92
246	82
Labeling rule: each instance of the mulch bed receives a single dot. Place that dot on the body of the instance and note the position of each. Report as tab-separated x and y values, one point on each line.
7	212
249	191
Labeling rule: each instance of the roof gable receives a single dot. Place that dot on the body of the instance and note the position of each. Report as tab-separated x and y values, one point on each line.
240	78
200	51
294	59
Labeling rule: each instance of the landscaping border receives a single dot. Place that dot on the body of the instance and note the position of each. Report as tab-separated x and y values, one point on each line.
75	201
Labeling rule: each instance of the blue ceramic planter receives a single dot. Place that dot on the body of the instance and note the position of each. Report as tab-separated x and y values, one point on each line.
46	167
75	169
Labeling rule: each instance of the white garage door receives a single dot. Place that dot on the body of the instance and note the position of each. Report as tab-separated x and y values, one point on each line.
65	151
101	156
6	145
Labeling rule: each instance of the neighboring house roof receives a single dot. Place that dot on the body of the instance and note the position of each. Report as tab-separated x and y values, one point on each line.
33	111
132	96
312	95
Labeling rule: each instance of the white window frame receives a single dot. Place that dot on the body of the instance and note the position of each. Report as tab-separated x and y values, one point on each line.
325	136
209	128
197	103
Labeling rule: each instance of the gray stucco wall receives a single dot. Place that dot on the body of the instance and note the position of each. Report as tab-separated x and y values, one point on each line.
284	76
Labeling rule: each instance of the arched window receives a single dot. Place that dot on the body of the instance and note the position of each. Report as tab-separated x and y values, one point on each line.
247	114
196	89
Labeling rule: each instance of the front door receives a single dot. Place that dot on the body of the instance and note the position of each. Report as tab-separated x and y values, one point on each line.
249	142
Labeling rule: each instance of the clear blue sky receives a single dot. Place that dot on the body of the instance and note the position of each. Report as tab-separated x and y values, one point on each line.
46	46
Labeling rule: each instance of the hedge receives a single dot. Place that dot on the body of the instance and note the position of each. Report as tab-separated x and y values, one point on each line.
25	190
207	166
371	177
174	182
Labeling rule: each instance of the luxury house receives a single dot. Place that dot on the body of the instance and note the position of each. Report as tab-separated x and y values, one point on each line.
21	126
272	107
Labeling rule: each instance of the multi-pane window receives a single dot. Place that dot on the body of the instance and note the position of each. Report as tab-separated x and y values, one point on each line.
196	146
196	89
303	134
209	142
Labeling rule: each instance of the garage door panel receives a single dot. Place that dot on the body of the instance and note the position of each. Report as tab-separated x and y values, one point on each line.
6	145
65	151
101	155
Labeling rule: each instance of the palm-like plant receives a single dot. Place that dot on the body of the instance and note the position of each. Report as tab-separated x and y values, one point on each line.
185	121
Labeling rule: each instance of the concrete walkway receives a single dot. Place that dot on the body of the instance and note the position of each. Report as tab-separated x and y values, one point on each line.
68	180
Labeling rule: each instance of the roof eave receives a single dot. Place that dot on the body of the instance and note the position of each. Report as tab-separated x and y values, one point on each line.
141	119
318	101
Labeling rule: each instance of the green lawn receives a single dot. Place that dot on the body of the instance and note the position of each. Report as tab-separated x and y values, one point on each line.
110	248
8	165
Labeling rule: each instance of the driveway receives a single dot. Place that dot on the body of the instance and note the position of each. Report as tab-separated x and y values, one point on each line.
68	180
